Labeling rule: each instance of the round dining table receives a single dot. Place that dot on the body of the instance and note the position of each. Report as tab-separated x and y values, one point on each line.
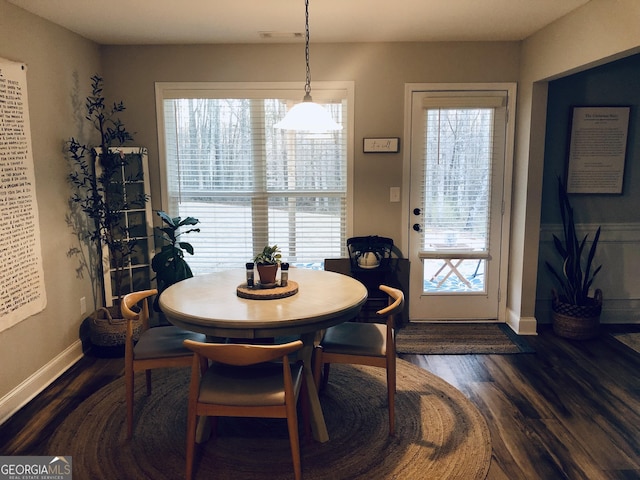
213	304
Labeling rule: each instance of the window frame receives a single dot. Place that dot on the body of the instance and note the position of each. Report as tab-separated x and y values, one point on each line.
293	90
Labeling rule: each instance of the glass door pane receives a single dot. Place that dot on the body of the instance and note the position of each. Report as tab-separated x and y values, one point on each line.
456	197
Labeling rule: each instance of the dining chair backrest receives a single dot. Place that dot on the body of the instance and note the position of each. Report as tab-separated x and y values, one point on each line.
231	389
130	300
396	304
242	355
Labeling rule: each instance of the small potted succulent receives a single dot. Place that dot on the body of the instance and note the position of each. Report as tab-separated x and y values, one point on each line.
267	263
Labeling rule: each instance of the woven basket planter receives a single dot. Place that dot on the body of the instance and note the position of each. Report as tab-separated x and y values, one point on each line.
577	322
106	331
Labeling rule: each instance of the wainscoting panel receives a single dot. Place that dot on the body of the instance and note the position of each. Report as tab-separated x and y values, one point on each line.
619	254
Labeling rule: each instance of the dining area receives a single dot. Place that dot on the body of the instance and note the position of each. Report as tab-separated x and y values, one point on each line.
238	336
235	387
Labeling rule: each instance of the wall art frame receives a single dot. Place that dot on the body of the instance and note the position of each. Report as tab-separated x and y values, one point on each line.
381	144
597	149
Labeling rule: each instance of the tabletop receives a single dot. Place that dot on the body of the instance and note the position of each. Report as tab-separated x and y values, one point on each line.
209	304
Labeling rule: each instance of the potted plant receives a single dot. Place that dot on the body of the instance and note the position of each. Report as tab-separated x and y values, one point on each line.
169	264
576	315
99	196
267	263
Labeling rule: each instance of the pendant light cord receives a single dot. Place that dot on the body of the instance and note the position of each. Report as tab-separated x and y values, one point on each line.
307	87
308	116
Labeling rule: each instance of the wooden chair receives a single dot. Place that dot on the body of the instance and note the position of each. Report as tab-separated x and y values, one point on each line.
244	381
157	347
364	344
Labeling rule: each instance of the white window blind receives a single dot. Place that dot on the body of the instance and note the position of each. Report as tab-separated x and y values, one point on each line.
459	143
250	184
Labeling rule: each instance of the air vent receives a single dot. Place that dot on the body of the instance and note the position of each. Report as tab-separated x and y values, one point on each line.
280	35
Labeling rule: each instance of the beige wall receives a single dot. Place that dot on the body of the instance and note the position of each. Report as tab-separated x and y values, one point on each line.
43	345
378	70
37	349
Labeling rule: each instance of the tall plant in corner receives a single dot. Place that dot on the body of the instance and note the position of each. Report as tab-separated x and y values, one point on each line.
97	193
576	275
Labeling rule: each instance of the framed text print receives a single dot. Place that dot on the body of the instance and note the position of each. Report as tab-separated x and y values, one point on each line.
597	149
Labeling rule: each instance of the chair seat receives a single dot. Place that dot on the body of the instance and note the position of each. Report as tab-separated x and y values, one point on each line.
360	343
356	338
257	385
164	342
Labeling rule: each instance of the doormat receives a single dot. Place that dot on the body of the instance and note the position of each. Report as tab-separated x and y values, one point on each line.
460	339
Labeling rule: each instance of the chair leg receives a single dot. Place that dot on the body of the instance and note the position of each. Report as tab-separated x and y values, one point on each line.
306	411
325	377
213	425
391	394
320	374
128	380
294	440
148	379
192	419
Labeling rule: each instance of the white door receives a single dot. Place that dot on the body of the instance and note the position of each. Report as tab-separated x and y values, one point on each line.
460	158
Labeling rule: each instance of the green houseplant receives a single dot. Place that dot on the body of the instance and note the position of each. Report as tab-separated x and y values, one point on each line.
99	196
267	263
575	314
169	264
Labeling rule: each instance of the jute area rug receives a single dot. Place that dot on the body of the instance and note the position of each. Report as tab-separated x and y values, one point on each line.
440	434
459	339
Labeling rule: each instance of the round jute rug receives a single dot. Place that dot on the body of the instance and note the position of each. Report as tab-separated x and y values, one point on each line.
439	433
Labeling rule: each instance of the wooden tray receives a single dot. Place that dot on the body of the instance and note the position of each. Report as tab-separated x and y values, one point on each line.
258	293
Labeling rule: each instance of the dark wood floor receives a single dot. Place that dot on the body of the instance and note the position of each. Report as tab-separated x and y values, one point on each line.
569	411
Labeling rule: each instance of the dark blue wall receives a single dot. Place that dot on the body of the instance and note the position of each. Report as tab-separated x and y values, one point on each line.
613	84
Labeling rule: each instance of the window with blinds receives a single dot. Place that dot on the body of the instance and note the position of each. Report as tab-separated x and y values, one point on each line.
250	184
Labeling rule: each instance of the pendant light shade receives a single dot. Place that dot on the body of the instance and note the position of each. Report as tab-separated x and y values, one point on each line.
308	116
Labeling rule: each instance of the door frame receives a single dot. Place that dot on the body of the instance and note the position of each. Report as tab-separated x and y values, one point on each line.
511	89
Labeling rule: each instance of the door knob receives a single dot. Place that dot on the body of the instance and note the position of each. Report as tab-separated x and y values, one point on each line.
416	227
417	211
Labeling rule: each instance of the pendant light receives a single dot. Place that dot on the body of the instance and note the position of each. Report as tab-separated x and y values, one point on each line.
307	115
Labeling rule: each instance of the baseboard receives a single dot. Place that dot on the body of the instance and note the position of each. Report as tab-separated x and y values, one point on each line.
522	325
32	386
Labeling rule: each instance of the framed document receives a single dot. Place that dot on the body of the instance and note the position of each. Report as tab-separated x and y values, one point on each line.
381	145
597	149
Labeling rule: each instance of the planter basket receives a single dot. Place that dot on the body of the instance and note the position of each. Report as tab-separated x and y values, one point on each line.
577	322
105	331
